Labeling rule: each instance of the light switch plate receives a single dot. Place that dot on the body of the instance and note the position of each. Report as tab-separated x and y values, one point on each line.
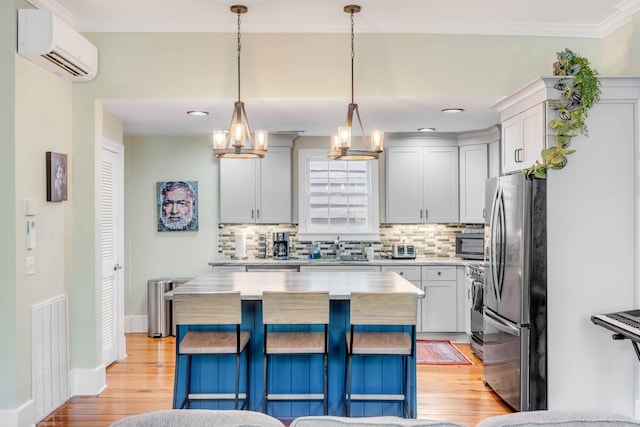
30	265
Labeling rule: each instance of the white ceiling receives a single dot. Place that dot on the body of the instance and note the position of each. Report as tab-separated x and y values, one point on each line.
581	18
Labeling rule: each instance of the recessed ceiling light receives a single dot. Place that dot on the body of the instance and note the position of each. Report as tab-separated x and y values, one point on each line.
452	110
198	113
426	129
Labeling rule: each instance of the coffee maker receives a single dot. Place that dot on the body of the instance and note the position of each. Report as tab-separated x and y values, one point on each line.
281	245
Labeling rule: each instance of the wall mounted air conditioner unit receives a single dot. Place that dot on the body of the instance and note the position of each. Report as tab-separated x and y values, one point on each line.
55	45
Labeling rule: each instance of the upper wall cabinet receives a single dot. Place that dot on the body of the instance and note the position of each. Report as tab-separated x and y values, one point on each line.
473	174
422	184
256	190
523	139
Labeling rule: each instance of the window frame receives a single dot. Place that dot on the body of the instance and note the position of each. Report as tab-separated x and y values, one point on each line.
306	232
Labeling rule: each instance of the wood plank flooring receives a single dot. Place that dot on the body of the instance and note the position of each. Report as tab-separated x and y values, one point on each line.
144	382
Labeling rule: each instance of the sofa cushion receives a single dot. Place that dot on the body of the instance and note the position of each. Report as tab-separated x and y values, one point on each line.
560	418
330	421
198	418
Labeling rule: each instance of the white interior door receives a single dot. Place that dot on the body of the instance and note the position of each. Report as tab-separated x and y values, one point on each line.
111	210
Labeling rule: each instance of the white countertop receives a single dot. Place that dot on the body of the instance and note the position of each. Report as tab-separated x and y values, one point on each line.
331	261
338	284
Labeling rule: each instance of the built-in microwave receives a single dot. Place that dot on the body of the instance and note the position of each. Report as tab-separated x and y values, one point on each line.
470	245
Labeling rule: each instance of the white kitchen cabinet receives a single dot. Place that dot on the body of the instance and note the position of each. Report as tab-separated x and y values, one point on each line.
413	274
351	268
422	185
523	138
473	174
440	306
228	268
256	190
494	159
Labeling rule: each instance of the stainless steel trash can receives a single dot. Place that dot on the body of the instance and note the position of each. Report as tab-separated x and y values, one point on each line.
177	282
158	308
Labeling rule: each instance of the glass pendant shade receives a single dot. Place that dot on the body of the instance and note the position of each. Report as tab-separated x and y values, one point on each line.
377	141
344	137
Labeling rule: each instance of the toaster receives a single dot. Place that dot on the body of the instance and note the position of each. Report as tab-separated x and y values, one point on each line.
402	250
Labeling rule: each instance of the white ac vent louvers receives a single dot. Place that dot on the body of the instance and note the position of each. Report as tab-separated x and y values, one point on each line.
48	41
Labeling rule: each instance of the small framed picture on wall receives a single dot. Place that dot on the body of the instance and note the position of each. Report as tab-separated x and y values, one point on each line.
177	204
56	177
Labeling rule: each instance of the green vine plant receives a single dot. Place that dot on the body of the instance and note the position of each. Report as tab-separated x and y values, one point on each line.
580	90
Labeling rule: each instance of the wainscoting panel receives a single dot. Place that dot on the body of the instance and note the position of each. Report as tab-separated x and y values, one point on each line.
50	355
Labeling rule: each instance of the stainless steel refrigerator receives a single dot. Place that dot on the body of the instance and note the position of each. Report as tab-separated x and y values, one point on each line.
515	314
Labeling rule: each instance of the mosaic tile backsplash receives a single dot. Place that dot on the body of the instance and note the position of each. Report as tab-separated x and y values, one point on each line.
430	240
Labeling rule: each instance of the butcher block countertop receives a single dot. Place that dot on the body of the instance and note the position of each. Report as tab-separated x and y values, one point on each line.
338	284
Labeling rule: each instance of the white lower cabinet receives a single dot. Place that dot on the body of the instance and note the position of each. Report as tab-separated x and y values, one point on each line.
413	274
228	268
439	310
354	268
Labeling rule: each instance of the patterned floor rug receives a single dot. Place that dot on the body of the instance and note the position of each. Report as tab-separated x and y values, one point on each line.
431	352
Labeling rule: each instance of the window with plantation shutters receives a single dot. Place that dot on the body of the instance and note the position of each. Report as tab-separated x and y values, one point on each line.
337	198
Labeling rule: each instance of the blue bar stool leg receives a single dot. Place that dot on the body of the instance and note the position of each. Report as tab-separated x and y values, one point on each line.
265	382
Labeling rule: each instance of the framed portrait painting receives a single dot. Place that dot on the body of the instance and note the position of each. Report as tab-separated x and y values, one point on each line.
56	177
177	205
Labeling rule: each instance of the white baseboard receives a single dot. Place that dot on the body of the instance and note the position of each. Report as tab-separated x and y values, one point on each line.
88	382
19	417
135	324
454	337
636	412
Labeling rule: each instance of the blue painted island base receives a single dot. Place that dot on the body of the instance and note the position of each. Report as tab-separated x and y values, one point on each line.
299	373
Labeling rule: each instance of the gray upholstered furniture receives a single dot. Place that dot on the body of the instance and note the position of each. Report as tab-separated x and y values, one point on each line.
559	418
199	418
368	422
224	418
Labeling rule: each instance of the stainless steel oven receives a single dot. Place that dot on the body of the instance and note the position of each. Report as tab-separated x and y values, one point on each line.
475	274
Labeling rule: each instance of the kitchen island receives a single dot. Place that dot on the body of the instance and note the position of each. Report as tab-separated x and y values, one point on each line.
295	373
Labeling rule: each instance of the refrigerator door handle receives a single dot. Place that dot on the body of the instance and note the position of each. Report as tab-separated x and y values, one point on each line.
495	243
499	324
502	245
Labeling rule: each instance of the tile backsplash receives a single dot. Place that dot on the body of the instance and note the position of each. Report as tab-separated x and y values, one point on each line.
431	240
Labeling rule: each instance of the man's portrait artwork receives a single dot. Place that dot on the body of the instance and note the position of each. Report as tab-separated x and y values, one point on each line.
177	205
56	177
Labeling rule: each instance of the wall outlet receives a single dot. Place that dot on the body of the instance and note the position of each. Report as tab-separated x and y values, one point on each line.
30	265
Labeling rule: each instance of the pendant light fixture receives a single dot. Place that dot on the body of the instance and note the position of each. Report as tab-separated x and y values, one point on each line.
341	141
237	142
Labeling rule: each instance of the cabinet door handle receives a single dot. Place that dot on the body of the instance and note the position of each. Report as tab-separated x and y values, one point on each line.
258	214
515	155
251	213
426	213
484	212
420	213
439	273
402	273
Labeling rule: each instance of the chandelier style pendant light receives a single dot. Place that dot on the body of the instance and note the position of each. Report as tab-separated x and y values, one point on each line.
237	142
341	141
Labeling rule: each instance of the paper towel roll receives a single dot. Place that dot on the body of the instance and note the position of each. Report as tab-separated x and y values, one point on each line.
241	245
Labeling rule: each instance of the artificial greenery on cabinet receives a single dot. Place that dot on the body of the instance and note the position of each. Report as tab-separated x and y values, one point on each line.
579	87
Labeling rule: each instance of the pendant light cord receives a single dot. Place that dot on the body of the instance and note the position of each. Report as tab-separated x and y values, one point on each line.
239	48
353	54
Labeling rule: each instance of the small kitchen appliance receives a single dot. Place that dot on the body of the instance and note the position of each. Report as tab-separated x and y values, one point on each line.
281	245
470	244
403	251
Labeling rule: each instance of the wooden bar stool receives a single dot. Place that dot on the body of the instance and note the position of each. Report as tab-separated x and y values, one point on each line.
294	308
381	309
211	309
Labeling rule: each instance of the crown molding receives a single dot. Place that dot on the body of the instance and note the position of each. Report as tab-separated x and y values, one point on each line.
57	10
623	15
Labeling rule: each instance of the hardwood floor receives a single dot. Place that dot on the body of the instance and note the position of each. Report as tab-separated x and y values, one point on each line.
144	382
